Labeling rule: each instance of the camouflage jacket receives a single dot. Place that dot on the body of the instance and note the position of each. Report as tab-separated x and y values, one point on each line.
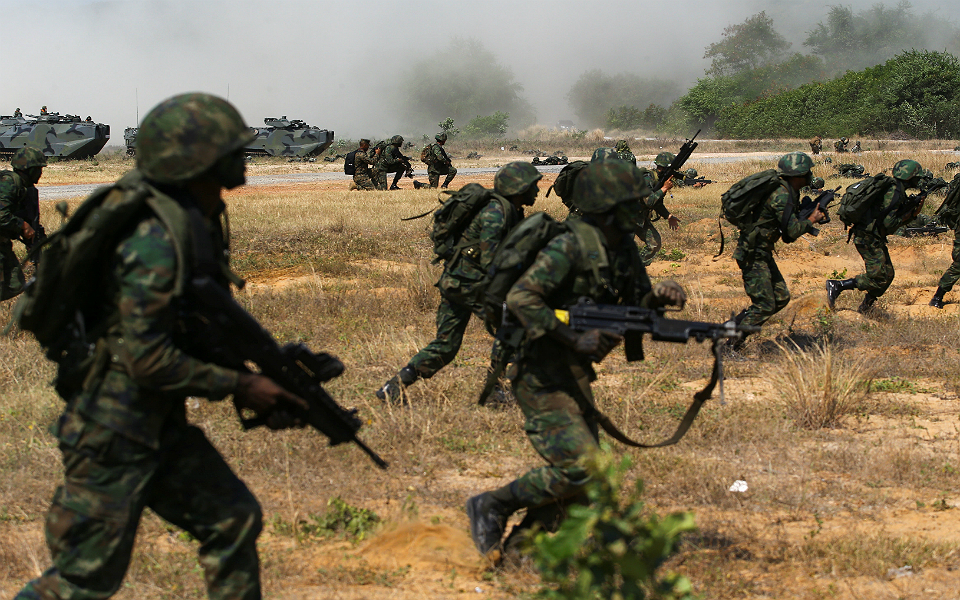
13	193
148	374
780	207
653	202
391	156
362	162
894	219
440	157
627	156
477	246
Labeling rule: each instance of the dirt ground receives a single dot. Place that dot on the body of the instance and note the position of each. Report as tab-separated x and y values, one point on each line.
806	527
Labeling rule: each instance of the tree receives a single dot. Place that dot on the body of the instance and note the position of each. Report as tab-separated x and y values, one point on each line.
460	82
595	93
746	46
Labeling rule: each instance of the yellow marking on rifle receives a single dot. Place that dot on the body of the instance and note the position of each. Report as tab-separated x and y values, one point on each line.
563	316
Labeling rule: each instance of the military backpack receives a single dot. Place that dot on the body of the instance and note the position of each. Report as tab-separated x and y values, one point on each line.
563	185
350	163
859	201
426	155
454	216
740	205
949	212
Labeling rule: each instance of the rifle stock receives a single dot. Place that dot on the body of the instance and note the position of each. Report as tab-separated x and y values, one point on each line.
673	169
221	331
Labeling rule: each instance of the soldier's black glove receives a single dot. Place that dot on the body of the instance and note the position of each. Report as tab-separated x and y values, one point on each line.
667	293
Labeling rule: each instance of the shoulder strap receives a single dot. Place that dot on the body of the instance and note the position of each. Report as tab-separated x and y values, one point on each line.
594	253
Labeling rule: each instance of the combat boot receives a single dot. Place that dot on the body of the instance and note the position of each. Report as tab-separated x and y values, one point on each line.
867	304
835	286
488	520
937	300
417	185
392	390
395	187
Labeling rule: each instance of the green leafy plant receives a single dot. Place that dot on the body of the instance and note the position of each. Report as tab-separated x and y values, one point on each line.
494	125
838	274
341	519
448	128
613	547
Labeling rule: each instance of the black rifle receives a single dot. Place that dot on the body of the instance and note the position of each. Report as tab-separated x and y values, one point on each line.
822	201
694	181
926	230
220	331
673	169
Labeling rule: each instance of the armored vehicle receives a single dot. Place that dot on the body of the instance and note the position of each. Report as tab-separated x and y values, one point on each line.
130	139
283	137
56	135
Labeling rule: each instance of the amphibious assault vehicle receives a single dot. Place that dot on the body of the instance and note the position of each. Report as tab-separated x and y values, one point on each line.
283	137
278	137
56	135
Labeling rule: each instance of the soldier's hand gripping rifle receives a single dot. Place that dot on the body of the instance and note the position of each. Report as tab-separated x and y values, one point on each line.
673	169
222	332
634	322
822	201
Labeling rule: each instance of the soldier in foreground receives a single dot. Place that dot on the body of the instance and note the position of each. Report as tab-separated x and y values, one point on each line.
439	163
515	186
654	204
18	199
777	217
123	433
870	236
598	259
362	161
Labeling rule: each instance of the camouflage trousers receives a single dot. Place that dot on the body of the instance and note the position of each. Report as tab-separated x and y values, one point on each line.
435	171
364	180
952	274
651	238
11	276
109	480
379	179
876	259
452	320
765	285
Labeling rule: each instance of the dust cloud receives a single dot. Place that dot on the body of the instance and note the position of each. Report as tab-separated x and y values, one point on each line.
339	65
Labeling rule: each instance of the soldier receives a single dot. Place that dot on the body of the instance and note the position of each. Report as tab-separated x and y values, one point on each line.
17	113
778	216
377	170
690	179
362	161
596	258
654	203
393	161
841	144
440	163
871	238
43	109
623	149
816	145
89	119
952	274
124	436
856	148
515	186
19	214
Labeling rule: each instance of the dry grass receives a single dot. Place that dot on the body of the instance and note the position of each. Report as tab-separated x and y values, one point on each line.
827	509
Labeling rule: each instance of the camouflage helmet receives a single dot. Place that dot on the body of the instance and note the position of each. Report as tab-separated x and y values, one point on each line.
622	146
664	159
515	178
27	157
907	169
396	140
602	154
691	173
795	164
441	137
185	135
817	183
601	186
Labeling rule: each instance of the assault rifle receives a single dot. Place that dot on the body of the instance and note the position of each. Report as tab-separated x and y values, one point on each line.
673	169
822	201
220	331
696	180
926	230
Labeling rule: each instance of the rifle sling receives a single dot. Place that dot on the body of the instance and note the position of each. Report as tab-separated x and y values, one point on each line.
688	418
418	216
720	251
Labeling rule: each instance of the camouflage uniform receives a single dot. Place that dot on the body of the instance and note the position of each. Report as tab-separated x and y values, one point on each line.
15	194
645	229
392	161
623	151
362	175
754	255
124	437
459	281
952	274
440	165
816	144
871	243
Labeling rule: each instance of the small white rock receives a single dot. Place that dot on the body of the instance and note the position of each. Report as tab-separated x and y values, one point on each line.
739	486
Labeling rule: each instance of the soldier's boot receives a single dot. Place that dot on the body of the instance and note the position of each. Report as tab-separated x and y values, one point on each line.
396	180
488	520
937	300
393	389
867	305
417	185
353	186
447	180
835	286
